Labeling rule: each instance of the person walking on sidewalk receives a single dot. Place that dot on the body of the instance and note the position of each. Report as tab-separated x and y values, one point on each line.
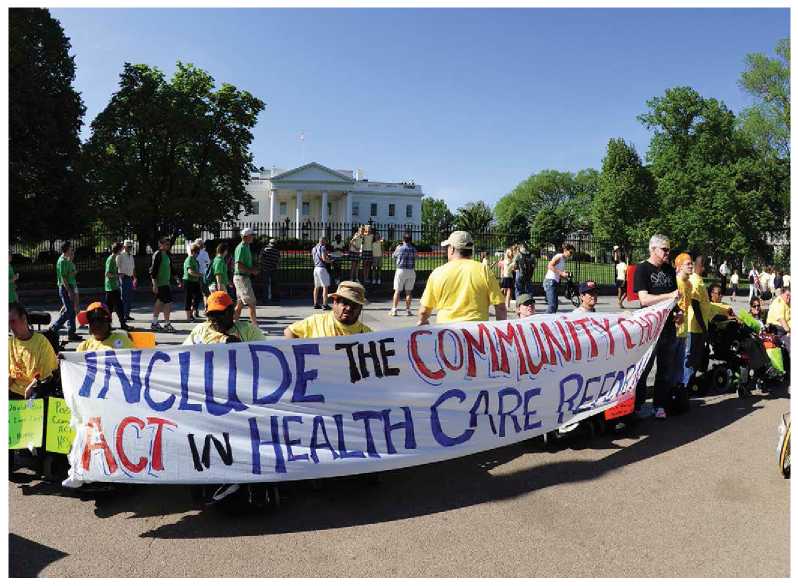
161	276
191	282
404	278
242	279
126	264
66	280
113	294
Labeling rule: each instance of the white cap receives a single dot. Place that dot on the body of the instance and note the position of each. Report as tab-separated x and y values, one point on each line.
247	232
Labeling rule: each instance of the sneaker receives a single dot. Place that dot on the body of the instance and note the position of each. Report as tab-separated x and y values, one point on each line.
75	338
326	307
317	306
169	328
128	318
156	327
660	414
392	312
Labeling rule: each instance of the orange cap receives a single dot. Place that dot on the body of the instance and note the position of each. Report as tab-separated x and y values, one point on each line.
218	301
681	259
83	316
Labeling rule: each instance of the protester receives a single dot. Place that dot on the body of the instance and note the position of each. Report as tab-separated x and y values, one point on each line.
525	305
507	284
367	252
756	311
66	280
30	354
655	281
683	264
321	276
735	282
337	247
462	289
98	317
126	265
779	316
204	260
376	249
764	281
524	265
191	282
269	262
219	270
242	278
12	281
588	296
620	280
778	283
161	276
555	270
355	244
724	272
220	326
113	295
404	279
343	320
754	283
715	293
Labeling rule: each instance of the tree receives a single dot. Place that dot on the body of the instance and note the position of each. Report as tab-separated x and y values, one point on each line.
171	157
474	217
624	196
436	219
47	199
767	122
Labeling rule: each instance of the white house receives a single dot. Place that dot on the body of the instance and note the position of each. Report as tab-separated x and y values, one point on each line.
317	193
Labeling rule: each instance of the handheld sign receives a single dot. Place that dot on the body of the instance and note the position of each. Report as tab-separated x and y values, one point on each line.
630	283
59	434
25	424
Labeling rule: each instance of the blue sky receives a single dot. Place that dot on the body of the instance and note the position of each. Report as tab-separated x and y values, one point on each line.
466	102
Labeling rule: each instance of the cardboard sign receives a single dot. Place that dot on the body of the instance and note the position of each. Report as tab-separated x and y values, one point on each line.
25	423
59	433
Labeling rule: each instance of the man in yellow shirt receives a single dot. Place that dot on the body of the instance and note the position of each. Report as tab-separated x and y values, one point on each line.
221	327
344	320
462	289
779	316
30	354
684	269
98	317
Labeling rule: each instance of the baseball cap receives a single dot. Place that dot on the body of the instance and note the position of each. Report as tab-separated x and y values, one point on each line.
247	232
128	243
525	299
273	241
352	291
218	301
459	239
83	316
587	287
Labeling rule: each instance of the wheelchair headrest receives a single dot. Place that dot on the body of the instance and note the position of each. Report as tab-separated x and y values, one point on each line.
38	318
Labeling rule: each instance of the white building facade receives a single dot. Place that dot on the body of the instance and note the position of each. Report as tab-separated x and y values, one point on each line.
317	194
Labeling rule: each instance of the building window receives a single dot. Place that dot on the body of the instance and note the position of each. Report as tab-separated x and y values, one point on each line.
283	208
391	209
255	208
373	209
305	208
355	208
409	211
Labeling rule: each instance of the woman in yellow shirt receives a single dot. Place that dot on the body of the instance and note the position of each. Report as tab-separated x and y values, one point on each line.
30	354
684	268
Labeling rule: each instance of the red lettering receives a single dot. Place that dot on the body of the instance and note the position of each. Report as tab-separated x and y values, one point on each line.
626	335
511	339
157	461
120	448
479	345
593	345
534	368
574	337
442	349
101	444
417	361
605	327
552	341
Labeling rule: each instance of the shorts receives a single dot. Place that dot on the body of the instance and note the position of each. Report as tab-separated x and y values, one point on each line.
620	284
164	294
321	278
367	255
404	280
507	283
244	290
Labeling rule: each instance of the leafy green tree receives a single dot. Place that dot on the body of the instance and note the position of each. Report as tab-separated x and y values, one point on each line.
624	197
767	122
436	219
47	198
171	156
474	217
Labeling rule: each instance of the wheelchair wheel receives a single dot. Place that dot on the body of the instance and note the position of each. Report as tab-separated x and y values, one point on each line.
721	379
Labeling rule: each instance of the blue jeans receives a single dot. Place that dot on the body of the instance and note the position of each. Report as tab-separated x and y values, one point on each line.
69	313
693	356
127	294
522	286
550	290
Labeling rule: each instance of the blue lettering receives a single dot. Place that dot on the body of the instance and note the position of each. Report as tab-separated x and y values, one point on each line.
285	370
304	376
318	424
366	416
437	429
503	415
166	403
185	363
342	452
254	434
292	442
91	374
482	396
571	400
528	395
407	425
232	402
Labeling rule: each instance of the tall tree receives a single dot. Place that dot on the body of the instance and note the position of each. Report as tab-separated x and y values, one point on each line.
625	193
436	219
47	198
474	217
767	122
171	156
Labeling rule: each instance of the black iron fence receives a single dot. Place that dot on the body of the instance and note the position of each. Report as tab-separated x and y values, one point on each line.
593	259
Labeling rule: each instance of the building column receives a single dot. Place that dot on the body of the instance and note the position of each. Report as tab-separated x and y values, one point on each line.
348	218
324	215
272	212
298	214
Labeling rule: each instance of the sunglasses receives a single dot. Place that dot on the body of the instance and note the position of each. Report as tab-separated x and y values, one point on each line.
756	306
665	250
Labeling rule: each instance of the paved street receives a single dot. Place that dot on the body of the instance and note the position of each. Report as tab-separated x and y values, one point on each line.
697	495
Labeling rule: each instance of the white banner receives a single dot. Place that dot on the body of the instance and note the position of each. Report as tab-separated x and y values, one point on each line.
292	409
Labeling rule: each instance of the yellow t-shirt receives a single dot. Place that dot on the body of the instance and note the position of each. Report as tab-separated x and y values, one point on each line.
323	325
204	334
461	290
779	310
708	308
26	358
115	341
686	289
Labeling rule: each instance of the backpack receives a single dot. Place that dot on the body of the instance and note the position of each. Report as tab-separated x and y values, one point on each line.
526	266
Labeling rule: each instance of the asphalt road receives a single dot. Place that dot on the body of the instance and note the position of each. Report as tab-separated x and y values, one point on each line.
697	495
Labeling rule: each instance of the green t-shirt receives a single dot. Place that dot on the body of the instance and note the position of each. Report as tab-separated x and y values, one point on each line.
243	255
190	263
65	269
12	286
220	268
164	270
111	283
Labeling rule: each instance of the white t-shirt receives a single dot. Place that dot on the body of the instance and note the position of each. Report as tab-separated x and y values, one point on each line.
560	264
620	271
735	279
203	260
786	280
